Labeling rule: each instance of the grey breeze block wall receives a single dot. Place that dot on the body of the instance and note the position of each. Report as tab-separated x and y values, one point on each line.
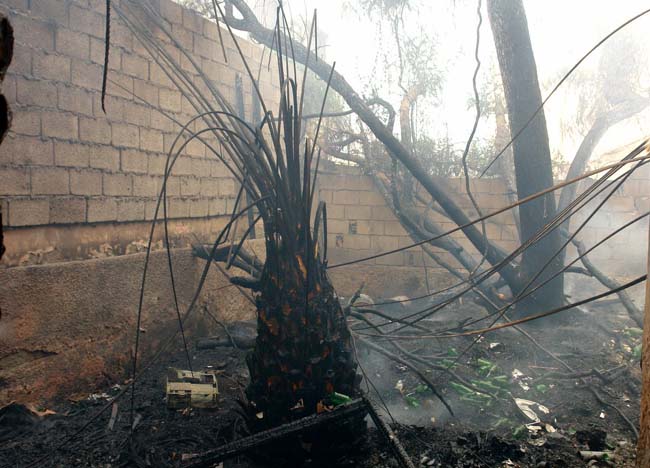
360	224
65	161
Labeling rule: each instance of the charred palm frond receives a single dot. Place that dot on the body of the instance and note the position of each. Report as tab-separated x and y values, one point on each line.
303	357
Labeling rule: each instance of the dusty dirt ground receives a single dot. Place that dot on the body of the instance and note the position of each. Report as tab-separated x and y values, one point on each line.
599	344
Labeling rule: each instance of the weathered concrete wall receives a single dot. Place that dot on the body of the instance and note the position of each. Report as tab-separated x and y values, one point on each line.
65	161
68	327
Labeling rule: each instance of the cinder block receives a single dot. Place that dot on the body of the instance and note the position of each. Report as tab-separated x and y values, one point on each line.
345	197
60	125
394	228
50	10
137	114
102	209
71	154
114	107
73	43
86	21
35	93
171	11
130	210
87	75
199	208
118	184
357	212
384	243
372	198
208	187
104	157
179	208
120	85
85	182
170	100
134	161
158	76
75	100
356	242
146	186
26	151
207	48
217	206
336	226
14	181
192	20
156	164
182	166
161	122
50	181
95	130
195	148
51	66
35	33
201	167
227	187
135	66
125	136
26	122
183	36
382	213
173	186
121	36
67	210
29	212
151	140
147	92
97	50
190	186
218	169
335	212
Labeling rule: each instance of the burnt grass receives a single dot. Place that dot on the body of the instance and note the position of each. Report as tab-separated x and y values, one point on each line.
481	434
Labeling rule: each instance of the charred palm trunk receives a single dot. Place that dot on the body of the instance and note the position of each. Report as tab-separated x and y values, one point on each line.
303	355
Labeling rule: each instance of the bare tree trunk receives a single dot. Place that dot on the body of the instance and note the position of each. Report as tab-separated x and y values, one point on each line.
532	156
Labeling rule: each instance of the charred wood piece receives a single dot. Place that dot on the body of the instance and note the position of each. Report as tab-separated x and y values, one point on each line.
246	282
244	259
385	430
354	408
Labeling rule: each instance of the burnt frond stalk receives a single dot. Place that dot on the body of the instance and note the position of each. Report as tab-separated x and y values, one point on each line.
303	359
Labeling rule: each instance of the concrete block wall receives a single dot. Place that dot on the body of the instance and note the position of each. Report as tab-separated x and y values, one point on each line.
360	224
65	160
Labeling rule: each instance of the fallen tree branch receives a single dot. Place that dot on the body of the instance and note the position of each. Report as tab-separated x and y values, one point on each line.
632	310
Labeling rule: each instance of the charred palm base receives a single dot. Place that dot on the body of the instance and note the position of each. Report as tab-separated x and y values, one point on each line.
302	364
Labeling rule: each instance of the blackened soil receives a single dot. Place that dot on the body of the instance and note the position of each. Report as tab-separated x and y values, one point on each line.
481	435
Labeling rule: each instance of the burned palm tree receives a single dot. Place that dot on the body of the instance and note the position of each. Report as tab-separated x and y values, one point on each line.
303	361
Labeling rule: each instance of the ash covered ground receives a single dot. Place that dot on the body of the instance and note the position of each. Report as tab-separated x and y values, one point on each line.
581	411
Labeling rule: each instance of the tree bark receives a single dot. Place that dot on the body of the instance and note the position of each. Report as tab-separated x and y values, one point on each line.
532	156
